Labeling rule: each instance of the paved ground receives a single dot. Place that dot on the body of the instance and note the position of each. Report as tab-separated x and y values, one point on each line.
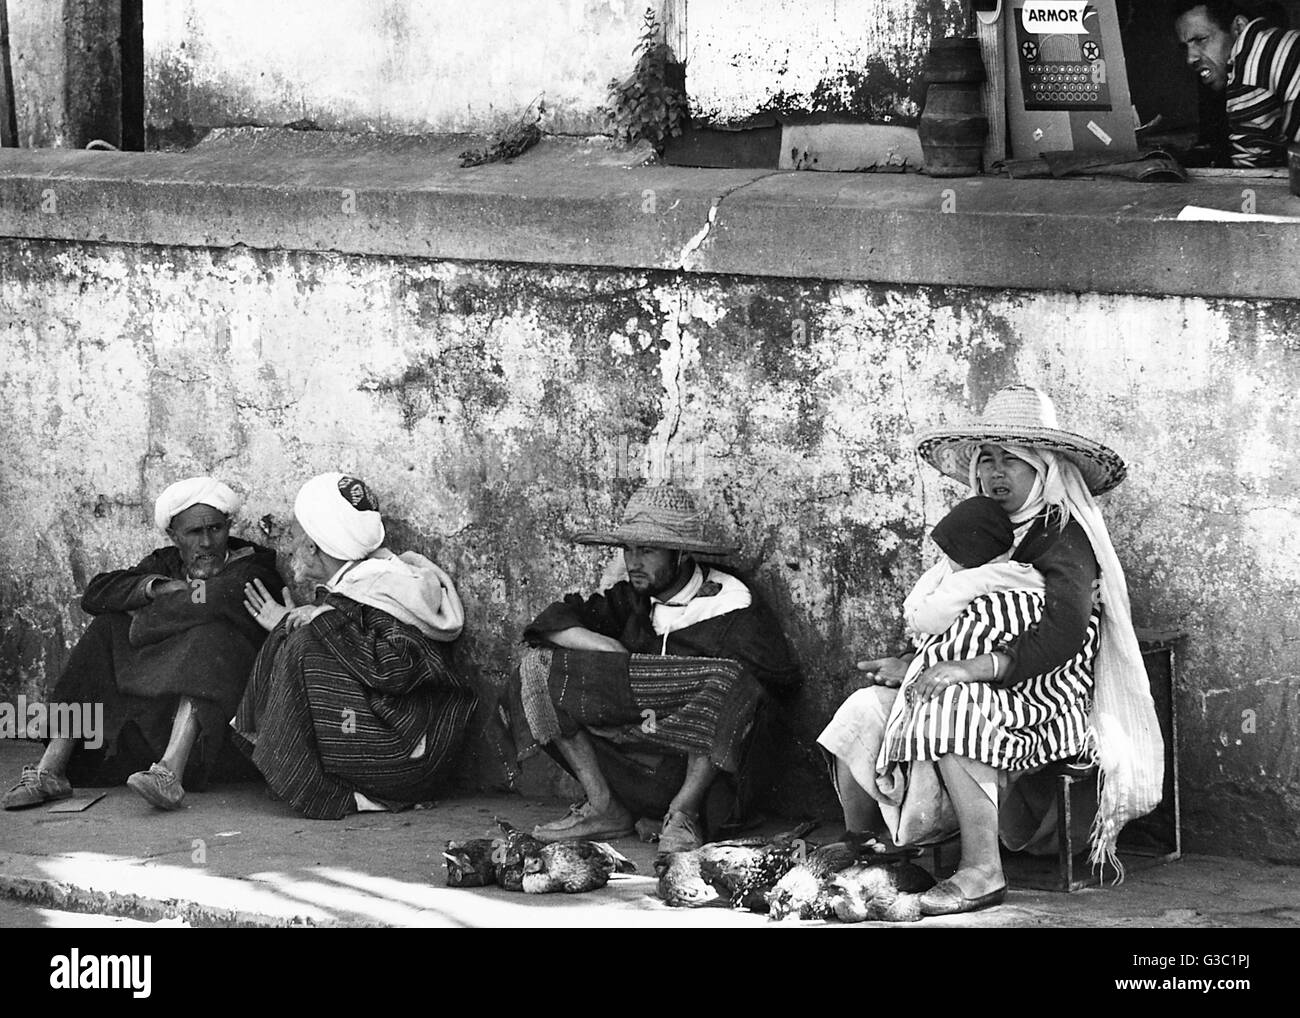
233	857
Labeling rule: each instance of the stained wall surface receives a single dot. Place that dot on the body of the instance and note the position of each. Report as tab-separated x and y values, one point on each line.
497	408
403	66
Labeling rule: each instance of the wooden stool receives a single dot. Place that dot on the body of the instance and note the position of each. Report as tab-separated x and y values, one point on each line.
1153	839
1147	841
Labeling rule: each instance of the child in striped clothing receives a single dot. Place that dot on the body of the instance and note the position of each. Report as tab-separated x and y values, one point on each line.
1016	728
972	603
977	540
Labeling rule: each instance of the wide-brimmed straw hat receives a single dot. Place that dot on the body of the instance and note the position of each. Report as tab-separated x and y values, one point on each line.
660	516
1020	415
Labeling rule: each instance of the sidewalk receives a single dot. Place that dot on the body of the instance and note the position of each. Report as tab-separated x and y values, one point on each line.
233	857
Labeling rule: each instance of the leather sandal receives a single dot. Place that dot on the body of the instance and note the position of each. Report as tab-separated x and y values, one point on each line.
946	898
583	821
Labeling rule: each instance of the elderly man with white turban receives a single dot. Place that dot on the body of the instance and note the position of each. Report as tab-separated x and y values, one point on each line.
168	655
353	703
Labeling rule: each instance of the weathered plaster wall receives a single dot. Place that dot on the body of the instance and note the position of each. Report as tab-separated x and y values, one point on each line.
861	57
66	57
497	408
404	66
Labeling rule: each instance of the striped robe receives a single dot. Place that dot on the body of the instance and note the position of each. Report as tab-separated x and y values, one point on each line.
1263	95
666	703
355	701
1043	718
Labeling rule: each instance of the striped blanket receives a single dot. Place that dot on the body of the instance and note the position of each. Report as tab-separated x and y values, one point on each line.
676	704
1042	719
355	701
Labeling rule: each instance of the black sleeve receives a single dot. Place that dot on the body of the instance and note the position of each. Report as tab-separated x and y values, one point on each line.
1070	570
606	614
750	636
124	589
217	599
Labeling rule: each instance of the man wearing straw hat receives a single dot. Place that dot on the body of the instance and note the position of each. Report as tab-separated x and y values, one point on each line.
673	659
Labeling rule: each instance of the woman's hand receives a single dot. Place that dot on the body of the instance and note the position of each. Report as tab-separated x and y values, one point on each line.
264	608
938	677
884	671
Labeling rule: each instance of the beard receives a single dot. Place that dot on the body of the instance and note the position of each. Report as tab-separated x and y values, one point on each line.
204	566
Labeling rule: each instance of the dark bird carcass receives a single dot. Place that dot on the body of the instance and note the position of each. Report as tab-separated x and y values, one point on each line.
573	867
738	873
803	892
517	861
469	863
511	853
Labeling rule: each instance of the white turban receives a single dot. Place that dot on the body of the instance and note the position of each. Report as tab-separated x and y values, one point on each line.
190	492
340	515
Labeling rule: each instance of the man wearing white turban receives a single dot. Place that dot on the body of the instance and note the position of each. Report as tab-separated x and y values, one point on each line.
353	703
167	656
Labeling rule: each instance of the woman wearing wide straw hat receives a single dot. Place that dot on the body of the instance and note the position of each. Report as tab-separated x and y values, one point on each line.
1045	479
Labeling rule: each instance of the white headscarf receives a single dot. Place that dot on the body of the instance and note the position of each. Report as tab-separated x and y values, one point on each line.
337	527
1129	747
409	587
192	491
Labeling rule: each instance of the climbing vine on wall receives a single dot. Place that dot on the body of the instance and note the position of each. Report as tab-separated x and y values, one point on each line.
648	104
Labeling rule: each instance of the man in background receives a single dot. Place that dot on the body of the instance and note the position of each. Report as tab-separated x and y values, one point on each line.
1255	65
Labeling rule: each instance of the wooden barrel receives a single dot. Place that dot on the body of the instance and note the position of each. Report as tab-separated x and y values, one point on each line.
952	61
953	127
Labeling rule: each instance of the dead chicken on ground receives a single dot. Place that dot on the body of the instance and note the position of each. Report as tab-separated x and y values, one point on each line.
573	867
738	872
517	861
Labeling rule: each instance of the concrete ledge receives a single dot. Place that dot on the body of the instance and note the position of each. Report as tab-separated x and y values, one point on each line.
553	208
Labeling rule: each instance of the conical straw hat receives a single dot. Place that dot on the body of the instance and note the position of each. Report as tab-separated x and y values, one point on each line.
1020	415
661	516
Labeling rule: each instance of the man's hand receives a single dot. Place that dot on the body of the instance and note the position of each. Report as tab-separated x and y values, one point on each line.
303	614
161	587
578	638
264	608
883	671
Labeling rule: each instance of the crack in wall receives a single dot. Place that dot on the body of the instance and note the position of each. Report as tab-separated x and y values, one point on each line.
694	244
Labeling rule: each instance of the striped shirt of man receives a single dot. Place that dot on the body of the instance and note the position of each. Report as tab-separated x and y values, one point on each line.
1263	86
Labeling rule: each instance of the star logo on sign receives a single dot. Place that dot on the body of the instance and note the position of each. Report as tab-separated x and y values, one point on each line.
1091	51
1030	50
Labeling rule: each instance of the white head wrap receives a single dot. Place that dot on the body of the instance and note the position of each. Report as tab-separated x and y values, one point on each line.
328	508
178	497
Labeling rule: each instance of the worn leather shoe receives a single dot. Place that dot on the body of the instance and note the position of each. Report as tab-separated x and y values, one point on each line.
157	786
35	787
584	822
946	898
680	833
